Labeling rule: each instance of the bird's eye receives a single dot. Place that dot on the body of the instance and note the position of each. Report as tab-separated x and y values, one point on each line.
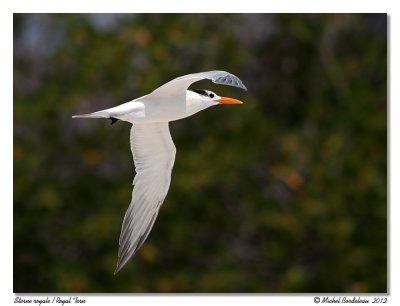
211	95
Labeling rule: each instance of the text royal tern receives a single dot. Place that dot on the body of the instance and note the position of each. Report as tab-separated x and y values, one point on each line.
153	149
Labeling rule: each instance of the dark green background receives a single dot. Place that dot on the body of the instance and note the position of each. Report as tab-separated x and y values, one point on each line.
286	193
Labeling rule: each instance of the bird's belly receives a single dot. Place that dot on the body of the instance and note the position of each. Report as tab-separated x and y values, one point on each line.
160	117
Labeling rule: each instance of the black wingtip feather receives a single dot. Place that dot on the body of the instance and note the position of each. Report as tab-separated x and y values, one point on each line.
113	120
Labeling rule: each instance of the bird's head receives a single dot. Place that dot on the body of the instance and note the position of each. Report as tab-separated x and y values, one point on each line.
209	98
199	99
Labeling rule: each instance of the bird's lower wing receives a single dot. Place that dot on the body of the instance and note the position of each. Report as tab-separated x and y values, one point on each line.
154	155
181	84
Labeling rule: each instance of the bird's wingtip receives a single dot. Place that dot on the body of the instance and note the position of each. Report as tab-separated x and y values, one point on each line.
120	264
118	268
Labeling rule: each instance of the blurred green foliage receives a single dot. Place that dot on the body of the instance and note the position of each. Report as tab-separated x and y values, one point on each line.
286	193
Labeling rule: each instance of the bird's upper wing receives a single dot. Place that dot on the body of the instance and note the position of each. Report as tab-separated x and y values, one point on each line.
154	155
181	84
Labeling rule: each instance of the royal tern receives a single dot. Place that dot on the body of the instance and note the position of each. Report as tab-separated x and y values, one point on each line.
153	149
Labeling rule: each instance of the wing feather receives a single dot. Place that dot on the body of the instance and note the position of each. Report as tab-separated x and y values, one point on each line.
153	154
181	84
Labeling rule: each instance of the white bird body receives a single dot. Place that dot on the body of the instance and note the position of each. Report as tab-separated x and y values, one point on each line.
151	108
153	149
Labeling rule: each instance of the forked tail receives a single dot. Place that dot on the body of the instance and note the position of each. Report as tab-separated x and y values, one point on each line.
99	114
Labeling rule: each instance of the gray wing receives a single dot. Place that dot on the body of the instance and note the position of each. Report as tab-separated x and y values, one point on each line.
181	84
154	155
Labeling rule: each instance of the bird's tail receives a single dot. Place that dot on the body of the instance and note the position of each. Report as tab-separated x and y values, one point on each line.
99	114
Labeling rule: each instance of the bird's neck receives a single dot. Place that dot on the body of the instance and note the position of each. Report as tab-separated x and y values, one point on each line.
194	103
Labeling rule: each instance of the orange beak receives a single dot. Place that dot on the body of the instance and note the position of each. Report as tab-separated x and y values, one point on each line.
225	100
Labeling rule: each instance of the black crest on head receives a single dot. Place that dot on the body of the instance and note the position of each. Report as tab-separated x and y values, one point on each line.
201	92
205	93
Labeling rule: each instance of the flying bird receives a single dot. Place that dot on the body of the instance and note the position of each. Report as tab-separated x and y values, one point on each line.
153	149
